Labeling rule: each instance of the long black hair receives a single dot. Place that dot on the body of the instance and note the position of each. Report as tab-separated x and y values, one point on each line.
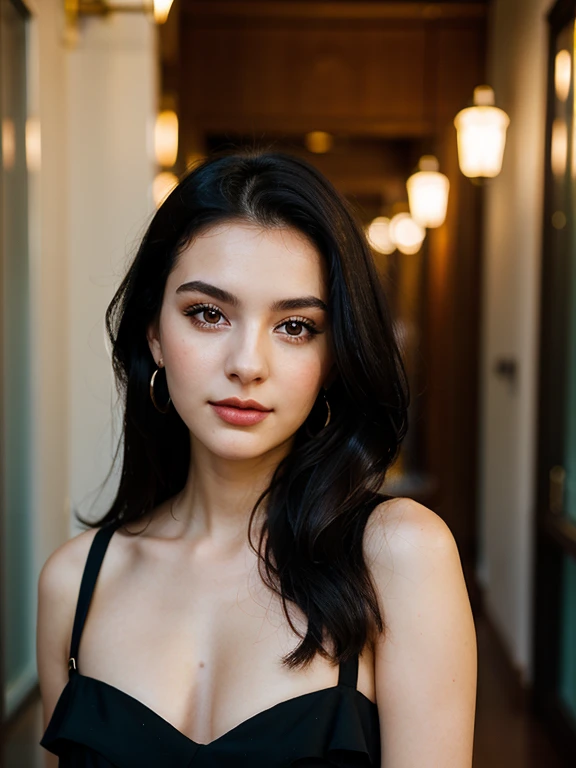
322	493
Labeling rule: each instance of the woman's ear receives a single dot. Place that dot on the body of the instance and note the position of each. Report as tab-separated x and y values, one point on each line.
153	337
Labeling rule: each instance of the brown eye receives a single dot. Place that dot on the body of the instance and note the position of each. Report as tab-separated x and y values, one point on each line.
204	315
293	325
211	313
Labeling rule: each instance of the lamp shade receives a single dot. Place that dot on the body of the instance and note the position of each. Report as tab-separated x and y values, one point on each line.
562	74
407	234
481	135
378	234
166	138
428	193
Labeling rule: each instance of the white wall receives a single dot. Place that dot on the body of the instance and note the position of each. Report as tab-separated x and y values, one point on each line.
48	289
512	251
112	105
90	201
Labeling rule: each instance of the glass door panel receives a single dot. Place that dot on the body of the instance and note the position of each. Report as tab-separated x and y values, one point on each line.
567	685
18	643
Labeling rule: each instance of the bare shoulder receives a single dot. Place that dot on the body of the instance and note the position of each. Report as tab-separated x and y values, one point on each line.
402	533
62	571
410	551
426	658
58	587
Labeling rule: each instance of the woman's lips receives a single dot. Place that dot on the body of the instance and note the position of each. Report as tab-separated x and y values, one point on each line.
241	416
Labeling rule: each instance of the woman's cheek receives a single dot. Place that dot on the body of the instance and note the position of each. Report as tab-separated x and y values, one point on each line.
193	360
301	388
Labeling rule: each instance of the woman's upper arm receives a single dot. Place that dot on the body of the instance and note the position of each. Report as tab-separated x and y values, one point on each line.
58	587
426	659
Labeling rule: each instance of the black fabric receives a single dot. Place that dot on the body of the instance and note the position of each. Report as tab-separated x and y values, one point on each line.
96	725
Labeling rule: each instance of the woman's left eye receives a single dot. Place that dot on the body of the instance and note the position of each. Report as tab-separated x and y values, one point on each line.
299	323
293	324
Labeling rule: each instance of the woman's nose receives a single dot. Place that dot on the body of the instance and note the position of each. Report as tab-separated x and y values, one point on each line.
247	356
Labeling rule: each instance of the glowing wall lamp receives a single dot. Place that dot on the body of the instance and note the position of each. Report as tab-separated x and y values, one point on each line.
166	138
378	234
562	74
158	9
428	193
407	234
481	136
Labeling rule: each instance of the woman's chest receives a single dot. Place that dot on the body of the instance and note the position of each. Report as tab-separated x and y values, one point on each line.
198	642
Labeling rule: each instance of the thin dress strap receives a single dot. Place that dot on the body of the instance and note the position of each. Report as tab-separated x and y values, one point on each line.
349	672
91	569
349	669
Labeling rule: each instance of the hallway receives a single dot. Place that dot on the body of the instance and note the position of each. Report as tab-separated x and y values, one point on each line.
101	115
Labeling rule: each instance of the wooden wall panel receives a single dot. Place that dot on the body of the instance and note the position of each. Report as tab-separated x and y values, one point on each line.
454	301
315	73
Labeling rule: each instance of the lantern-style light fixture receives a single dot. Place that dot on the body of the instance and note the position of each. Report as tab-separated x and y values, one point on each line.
562	74
406	233
378	234
428	193
166	138
481	136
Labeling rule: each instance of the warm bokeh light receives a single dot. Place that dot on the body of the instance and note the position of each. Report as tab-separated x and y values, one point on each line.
33	144
407	234
166	138
559	146
8	144
161	10
428	193
562	74
319	142
481	135
558	219
162	185
378	234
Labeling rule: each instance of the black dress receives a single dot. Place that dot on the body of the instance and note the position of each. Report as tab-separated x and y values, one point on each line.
96	725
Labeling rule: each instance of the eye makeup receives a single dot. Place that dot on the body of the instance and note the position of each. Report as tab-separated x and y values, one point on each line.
310	326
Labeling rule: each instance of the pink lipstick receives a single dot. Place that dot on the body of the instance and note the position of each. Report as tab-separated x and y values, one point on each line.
240	412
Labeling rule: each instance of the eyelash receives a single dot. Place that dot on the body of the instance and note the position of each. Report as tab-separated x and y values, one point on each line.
196	309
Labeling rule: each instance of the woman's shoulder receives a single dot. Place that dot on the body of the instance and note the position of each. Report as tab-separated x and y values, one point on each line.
426	657
62	571
402	535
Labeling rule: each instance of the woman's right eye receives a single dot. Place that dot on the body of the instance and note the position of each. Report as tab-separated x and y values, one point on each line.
204	309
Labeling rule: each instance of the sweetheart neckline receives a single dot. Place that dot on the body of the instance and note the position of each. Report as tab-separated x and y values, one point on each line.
197	744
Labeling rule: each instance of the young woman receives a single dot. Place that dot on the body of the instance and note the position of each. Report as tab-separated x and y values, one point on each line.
260	603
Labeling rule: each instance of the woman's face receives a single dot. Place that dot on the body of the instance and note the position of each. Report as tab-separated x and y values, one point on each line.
238	319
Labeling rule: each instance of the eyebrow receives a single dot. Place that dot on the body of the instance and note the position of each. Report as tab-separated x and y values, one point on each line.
302	302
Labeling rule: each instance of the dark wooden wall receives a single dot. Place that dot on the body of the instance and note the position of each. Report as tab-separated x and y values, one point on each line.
376	70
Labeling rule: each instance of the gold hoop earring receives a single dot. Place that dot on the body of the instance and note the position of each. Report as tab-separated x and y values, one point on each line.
328	415
152	380
329	412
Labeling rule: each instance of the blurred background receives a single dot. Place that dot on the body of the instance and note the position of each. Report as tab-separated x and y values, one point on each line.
450	128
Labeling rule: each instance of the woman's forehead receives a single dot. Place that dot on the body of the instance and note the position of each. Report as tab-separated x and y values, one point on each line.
277	257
